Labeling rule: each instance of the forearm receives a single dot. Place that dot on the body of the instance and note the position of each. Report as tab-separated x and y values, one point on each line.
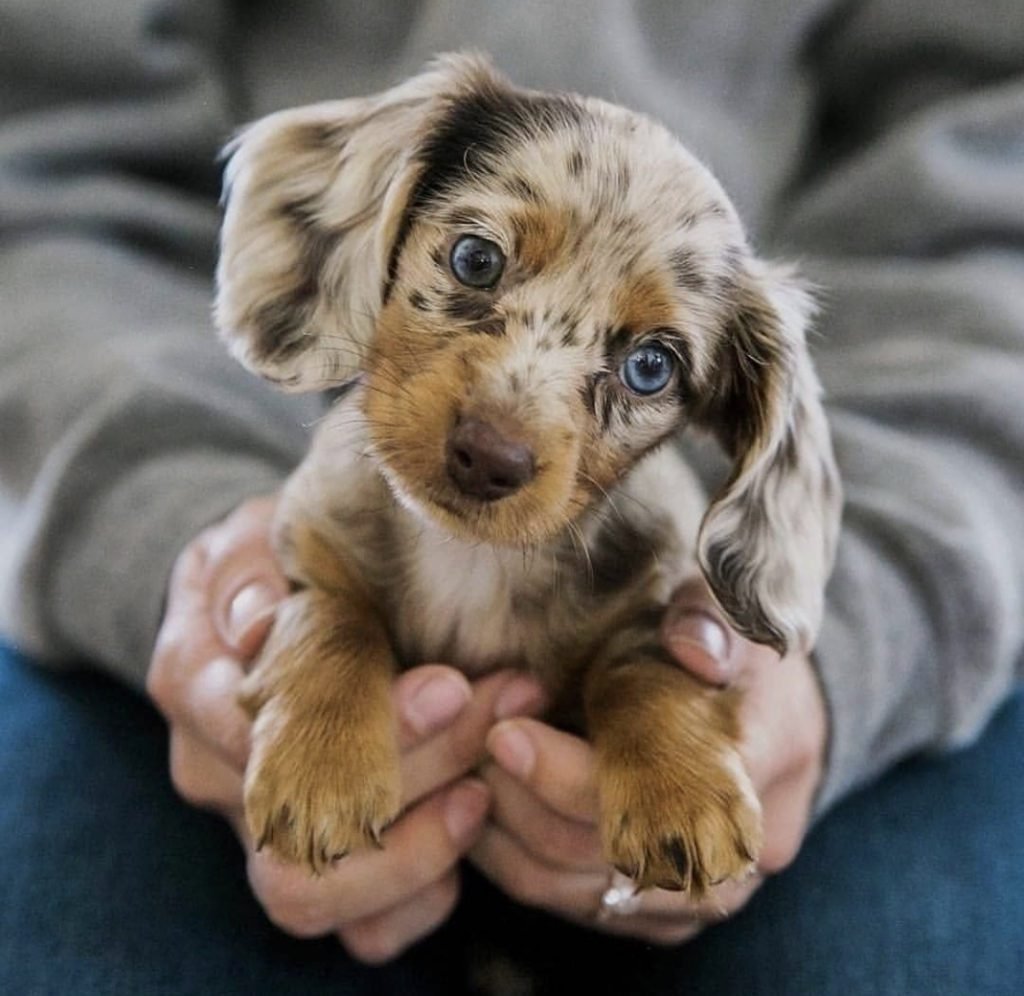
914	231
124	427
127	432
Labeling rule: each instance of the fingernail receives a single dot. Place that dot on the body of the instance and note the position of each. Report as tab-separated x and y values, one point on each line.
521	696
512	749
436	703
464	811
250	606
688	628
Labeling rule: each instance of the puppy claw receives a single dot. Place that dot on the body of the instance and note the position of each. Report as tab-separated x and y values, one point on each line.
715	827
311	807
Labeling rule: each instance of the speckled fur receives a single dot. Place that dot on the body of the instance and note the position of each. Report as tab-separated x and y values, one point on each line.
340	220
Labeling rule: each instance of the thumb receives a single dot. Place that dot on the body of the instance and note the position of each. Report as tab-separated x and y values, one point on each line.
248	615
695	633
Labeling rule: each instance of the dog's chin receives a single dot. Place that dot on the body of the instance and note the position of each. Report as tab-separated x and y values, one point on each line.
506	522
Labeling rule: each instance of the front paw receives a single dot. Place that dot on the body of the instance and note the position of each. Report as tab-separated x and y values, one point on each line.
315	790
680	826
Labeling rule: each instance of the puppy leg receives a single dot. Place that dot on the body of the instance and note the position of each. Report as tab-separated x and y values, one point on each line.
323	775
678	810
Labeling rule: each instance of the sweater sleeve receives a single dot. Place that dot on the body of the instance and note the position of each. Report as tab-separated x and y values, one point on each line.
911	218
124	427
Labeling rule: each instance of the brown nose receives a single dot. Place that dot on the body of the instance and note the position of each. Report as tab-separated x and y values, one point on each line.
484	464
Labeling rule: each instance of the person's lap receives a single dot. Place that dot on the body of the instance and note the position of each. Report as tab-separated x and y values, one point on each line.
109	884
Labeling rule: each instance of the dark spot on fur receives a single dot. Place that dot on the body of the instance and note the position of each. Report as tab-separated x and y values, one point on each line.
725	568
607	408
575	164
459	217
477	127
418	301
467	141
467	306
588	394
489	326
281	327
519	186
617	342
687	271
621	552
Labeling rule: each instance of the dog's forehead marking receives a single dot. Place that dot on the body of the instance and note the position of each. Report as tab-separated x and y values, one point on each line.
608	222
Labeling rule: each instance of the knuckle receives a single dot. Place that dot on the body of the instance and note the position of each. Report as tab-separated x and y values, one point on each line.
564	845
286	900
258	507
805	746
778	855
529	886
416	869
186	780
160	684
672	935
372	942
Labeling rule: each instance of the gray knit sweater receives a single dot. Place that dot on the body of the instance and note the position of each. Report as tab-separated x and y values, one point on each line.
882	143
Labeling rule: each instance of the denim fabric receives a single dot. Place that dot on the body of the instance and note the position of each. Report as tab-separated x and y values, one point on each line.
110	885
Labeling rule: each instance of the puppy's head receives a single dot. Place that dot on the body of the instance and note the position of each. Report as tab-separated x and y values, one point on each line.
537	290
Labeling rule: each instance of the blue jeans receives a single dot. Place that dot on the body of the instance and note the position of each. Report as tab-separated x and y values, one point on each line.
110	885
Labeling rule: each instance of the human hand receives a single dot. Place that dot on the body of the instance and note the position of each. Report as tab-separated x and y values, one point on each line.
542	845
222	594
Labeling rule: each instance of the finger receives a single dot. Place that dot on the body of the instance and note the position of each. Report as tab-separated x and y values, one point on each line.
548	836
697	635
209	709
577	893
418	850
428	698
640	927
245	617
187	572
786	805
201	777
458	748
784	723
532	882
382	937
557	766
242	577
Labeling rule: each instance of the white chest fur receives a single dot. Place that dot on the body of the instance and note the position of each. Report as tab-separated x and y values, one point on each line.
460	601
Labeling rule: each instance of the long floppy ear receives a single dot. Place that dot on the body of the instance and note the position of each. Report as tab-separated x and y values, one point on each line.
768	539
314	199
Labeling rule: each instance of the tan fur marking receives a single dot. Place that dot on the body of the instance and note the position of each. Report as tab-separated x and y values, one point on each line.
672	813
323	776
645	302
542	235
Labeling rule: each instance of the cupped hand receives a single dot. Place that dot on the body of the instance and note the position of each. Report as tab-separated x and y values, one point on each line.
221	600
541	844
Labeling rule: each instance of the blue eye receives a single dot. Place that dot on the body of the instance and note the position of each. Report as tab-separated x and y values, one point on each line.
648	369
476	262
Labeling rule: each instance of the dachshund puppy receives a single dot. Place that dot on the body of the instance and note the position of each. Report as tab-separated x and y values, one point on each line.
528	294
